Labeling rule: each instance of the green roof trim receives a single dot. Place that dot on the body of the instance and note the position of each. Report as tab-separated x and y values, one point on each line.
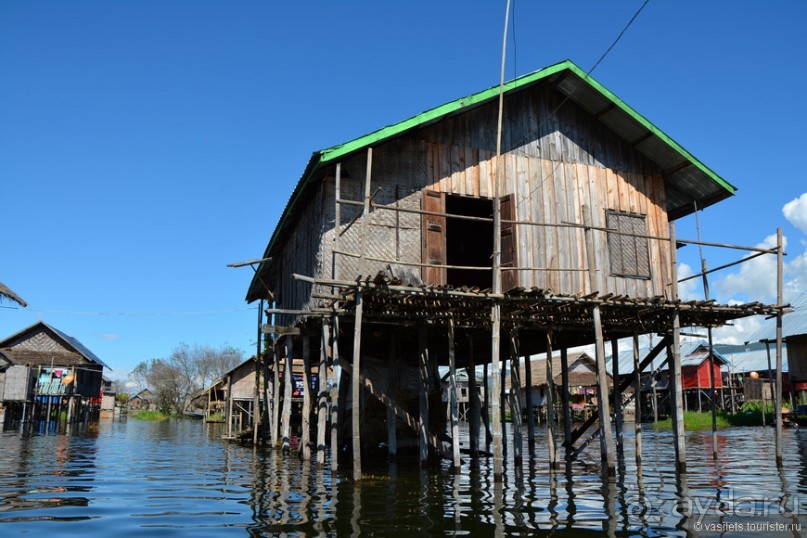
335	152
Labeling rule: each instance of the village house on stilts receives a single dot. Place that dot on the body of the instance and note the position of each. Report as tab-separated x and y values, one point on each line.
437	241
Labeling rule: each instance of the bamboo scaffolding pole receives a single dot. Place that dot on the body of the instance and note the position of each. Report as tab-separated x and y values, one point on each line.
704	272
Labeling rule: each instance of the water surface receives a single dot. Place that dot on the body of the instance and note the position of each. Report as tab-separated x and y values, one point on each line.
169	478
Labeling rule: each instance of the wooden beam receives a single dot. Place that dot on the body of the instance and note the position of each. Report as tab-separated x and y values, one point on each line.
287	392
392	422
529	404
617	395
335	382
322	396
637	387
473	394
779	303
567	415
280	330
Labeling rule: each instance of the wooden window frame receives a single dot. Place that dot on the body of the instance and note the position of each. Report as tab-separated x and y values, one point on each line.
629	257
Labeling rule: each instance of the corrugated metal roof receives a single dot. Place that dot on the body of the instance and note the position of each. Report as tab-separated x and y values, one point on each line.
692	181
693	353
793	323
752	357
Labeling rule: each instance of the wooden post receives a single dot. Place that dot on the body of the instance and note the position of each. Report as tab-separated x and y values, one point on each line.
423	368
335	379
617	394
637	400
779	303
603	408
567	415
473	395
495	397
392	419
550	403
515	399
452	381
268	392
230	406
287	391
677	390
305	436
486	405
256	401
322	397
529	404
276	395
355	387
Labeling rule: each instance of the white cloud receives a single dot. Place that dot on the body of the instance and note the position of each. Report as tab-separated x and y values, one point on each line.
795	211
691	289
739	331
106	336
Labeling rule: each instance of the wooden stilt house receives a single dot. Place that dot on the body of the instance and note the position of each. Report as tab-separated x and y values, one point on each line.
444	239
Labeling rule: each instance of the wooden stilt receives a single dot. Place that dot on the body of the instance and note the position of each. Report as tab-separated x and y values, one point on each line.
322	396
515	399
779	303
287	391
550	404
617	394
603	407
335	400
498	469
275	395
529	405
305	436
473	395
567	410
256	396
268	393
486	405
356	388
230	406
503	406
637	389
678	417
423	363
453	403
392	420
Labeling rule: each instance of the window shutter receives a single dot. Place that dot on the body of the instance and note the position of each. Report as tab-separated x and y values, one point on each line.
434	238
629	255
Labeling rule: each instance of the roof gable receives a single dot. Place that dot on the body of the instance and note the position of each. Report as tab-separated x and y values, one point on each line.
41	337
689	179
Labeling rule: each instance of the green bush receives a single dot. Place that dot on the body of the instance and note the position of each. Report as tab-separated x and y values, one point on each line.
694	420
149	415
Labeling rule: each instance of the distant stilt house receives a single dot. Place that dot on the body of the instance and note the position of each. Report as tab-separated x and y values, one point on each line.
447	240
751	368
46	374
582	387
142	401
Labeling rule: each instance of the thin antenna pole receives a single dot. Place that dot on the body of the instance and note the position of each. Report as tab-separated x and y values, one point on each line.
495	311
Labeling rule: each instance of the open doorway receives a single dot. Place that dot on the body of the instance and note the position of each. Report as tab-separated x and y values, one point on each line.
469	242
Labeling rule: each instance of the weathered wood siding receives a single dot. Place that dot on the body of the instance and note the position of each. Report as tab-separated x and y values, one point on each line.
554	166
796	357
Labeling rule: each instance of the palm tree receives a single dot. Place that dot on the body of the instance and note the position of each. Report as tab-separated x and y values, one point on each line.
8	295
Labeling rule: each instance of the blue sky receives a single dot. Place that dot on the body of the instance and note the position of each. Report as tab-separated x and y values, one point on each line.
144	145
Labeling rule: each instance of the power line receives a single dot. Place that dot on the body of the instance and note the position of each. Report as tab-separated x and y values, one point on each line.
552	114
132	314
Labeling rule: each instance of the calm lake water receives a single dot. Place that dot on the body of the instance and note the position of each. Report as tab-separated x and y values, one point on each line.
178	478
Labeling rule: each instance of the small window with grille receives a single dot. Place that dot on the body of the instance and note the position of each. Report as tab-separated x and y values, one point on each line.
629	253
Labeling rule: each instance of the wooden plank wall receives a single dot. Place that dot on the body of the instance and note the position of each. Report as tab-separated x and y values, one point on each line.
555	164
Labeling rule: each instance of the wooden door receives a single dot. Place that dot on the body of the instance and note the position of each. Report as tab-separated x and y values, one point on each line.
434	238
508	257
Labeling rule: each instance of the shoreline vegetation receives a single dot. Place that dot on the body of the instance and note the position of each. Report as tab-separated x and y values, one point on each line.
749	414
149	415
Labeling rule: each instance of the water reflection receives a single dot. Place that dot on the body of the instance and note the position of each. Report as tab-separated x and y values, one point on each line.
169	478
